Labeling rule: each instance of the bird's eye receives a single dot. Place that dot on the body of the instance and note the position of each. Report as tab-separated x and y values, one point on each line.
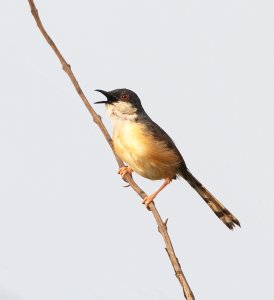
125	97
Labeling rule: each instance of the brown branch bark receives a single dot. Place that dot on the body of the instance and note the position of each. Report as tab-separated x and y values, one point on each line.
162	226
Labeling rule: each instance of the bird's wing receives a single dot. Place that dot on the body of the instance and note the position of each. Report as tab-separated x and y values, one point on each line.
162	136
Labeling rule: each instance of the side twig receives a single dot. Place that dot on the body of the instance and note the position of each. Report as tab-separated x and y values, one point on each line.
162	226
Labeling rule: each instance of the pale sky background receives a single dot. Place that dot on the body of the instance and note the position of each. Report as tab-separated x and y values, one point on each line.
205	72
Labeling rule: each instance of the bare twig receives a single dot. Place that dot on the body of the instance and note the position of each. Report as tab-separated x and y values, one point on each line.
162	226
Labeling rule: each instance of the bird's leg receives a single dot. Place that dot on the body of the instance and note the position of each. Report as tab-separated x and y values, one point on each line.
125	170
151	197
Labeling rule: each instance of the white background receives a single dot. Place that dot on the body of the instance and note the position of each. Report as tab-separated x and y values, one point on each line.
204	72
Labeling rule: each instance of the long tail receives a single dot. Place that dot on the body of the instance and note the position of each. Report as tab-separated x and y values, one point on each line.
220	211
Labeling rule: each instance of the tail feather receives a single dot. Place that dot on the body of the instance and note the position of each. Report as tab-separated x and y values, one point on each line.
220	211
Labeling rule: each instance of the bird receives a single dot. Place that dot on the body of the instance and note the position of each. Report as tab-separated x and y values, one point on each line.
148	150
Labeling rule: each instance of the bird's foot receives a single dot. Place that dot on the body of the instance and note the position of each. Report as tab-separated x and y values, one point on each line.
125	170
148	199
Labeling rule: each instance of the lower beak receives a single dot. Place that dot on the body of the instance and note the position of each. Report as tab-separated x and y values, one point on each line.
98	102
110	98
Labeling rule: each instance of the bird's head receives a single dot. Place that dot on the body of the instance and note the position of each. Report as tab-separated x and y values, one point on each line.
124	100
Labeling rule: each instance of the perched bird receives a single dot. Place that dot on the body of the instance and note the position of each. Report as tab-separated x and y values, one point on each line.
148	150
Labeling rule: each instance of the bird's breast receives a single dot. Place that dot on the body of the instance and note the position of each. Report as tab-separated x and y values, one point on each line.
143	152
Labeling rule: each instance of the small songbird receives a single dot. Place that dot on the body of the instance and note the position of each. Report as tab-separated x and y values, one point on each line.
148	150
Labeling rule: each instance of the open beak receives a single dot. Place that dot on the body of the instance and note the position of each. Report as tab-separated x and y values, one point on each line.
110	98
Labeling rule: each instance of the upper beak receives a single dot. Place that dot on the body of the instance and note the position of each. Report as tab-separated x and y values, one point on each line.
110	98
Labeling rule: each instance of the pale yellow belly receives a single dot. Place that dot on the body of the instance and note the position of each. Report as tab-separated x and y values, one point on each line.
143	154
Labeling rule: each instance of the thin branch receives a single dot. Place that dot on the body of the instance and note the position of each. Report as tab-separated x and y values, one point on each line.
162	226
